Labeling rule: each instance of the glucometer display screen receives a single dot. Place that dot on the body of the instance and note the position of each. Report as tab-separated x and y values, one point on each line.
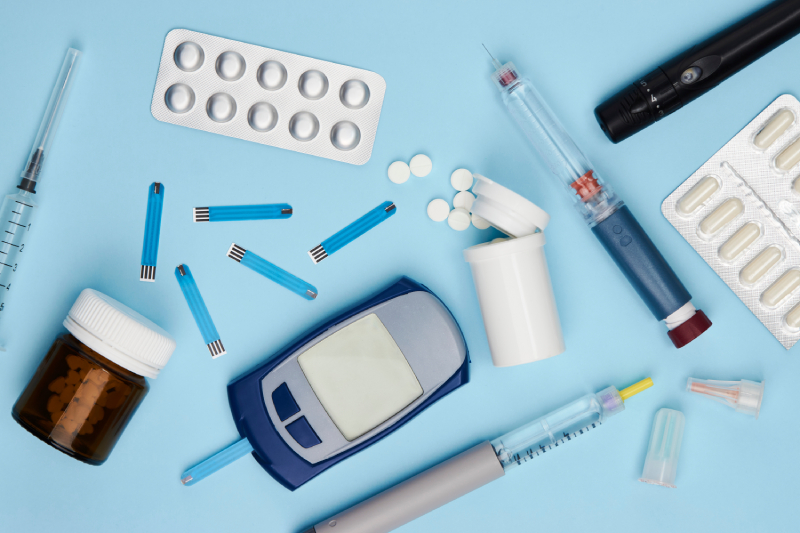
360	376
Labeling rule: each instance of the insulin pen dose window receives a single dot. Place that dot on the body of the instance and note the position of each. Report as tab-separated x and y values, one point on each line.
360	376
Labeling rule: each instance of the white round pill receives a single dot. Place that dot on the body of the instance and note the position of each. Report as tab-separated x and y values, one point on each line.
461	179
399	172
421	165
458	219
499	239
464	199
480	222
438	210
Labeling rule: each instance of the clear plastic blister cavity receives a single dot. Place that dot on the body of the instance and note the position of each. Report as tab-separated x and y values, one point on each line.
268	96
741	212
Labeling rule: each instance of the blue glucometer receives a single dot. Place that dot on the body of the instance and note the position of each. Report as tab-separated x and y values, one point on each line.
349	382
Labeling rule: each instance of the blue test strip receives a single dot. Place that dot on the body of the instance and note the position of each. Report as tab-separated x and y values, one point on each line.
273	272
199	311
227	213
352	232
152	232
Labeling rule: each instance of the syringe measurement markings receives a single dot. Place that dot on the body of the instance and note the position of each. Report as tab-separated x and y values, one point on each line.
6	242
20	225
23	203
530	454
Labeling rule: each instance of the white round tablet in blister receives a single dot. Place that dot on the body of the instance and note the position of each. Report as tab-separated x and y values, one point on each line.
179	98
345	135
230	66
458	219
221	107
461	179
189	56
354	94
438	210
464	199
304	126
271	75
399	172
262	117
421	165
313	84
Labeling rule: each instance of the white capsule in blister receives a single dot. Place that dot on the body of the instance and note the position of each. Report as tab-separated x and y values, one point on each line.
782	288
304	126
758	267
189	56
230	66
262	117
697	195
271	75
345	135
721	216
179	98
740	241
221	107
313	84
792	318
354	94
774	129
789	157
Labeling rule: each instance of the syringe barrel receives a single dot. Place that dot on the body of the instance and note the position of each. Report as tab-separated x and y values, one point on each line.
52	117
550	431
593	198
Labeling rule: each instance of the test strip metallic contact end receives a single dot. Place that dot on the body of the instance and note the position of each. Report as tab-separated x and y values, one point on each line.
152	232
236	252
201	214
317	253
199	311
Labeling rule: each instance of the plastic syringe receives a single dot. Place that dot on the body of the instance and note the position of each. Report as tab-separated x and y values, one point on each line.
479	465
18	208
604	212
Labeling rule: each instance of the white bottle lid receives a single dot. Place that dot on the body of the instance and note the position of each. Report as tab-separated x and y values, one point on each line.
119	333
506	210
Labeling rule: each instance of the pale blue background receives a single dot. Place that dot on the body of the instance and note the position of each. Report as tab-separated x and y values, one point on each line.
735	473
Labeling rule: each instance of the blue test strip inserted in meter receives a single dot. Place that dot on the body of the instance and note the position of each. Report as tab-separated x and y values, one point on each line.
345	385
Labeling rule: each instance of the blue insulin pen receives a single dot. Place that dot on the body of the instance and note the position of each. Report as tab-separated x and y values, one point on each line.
607	215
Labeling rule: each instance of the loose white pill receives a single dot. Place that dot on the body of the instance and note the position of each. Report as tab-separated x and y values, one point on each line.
776	127
783	287
482	223
461	179
789	157
721	216
399	172
464	199
458	219
438	210
499	239
793	317
421	165
739	241
760	265
697	195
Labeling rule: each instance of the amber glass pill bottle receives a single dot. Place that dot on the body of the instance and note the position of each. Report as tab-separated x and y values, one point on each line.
92	380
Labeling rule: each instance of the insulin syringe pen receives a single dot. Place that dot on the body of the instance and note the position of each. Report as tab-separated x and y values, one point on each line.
479	465
604	212
18	208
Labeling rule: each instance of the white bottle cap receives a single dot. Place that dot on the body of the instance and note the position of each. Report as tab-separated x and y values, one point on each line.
119	333
506	210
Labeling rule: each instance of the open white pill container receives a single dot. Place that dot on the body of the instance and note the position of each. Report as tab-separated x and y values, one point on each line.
741	212
512	280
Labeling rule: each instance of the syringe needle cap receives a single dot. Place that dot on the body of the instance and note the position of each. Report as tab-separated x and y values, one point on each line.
744	395
636	388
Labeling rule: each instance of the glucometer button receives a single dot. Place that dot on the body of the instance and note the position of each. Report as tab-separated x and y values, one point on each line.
284	402
303	433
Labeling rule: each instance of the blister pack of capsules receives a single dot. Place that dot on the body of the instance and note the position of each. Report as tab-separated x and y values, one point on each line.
267	96
741	212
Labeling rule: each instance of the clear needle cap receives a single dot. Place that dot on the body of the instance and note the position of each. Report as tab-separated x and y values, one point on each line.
744	395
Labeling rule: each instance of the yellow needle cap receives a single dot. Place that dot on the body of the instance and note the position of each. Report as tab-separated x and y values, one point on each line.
636	388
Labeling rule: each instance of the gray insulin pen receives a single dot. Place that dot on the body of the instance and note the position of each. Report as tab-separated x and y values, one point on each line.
479	465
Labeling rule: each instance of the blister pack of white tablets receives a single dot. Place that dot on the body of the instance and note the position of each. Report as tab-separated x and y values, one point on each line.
268	96
741	212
